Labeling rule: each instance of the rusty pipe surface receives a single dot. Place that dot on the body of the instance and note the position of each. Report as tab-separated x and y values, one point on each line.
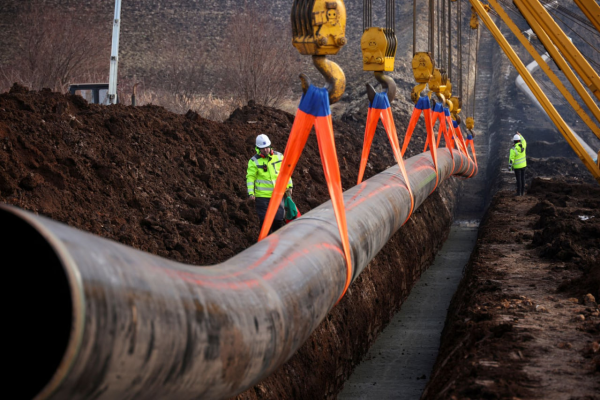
112	322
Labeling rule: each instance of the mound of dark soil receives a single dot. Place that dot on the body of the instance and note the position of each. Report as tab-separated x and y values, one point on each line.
567	169
569	230
169	184
541	149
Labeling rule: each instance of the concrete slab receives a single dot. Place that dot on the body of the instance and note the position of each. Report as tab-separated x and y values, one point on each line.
399	364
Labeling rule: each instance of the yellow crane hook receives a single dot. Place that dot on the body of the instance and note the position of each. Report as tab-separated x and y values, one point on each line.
378	46
321	31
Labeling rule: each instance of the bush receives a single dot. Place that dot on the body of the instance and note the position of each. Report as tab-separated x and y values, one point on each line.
58	49
261	63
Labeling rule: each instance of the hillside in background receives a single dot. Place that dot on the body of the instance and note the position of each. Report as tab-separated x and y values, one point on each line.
151	29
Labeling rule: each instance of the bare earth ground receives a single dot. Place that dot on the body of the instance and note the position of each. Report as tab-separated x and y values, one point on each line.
525	322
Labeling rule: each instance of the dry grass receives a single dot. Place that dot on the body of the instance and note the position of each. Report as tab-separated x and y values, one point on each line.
209	107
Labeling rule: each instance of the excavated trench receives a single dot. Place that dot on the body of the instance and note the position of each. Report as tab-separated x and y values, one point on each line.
388	370
399	363
505	334
470	364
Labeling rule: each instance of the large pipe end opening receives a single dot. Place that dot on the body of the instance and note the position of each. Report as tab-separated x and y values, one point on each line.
40	301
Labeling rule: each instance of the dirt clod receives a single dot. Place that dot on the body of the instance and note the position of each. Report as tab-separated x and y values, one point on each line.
589	300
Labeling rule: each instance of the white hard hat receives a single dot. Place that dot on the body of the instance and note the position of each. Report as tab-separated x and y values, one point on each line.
262	141
517	137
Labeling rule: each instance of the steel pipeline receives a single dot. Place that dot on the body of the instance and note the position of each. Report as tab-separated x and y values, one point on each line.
113	323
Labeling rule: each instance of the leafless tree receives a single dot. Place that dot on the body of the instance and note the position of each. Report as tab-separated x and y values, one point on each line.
261	63
181	69
56	47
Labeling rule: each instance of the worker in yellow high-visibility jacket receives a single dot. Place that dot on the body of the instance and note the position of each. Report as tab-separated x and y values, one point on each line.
263	170
517	162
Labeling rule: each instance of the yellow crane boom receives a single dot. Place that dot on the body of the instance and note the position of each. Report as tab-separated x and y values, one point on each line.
538	14
591	9
590	164
561	63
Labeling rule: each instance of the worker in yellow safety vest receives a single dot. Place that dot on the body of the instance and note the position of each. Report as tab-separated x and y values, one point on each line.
263	170
518	162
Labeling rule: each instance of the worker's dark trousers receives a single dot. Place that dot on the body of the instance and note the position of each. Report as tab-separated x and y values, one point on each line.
520	174
262	203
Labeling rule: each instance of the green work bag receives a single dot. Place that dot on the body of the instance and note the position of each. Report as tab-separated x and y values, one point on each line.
291	211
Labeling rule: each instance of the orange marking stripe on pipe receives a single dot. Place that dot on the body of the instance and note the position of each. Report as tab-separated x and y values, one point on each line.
244	284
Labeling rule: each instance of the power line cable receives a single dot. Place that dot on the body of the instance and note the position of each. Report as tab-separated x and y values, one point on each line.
552	90
589	30
576	16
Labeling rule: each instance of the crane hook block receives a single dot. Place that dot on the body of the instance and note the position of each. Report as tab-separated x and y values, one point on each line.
470	122
321	30
422	66
378	47
387	83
